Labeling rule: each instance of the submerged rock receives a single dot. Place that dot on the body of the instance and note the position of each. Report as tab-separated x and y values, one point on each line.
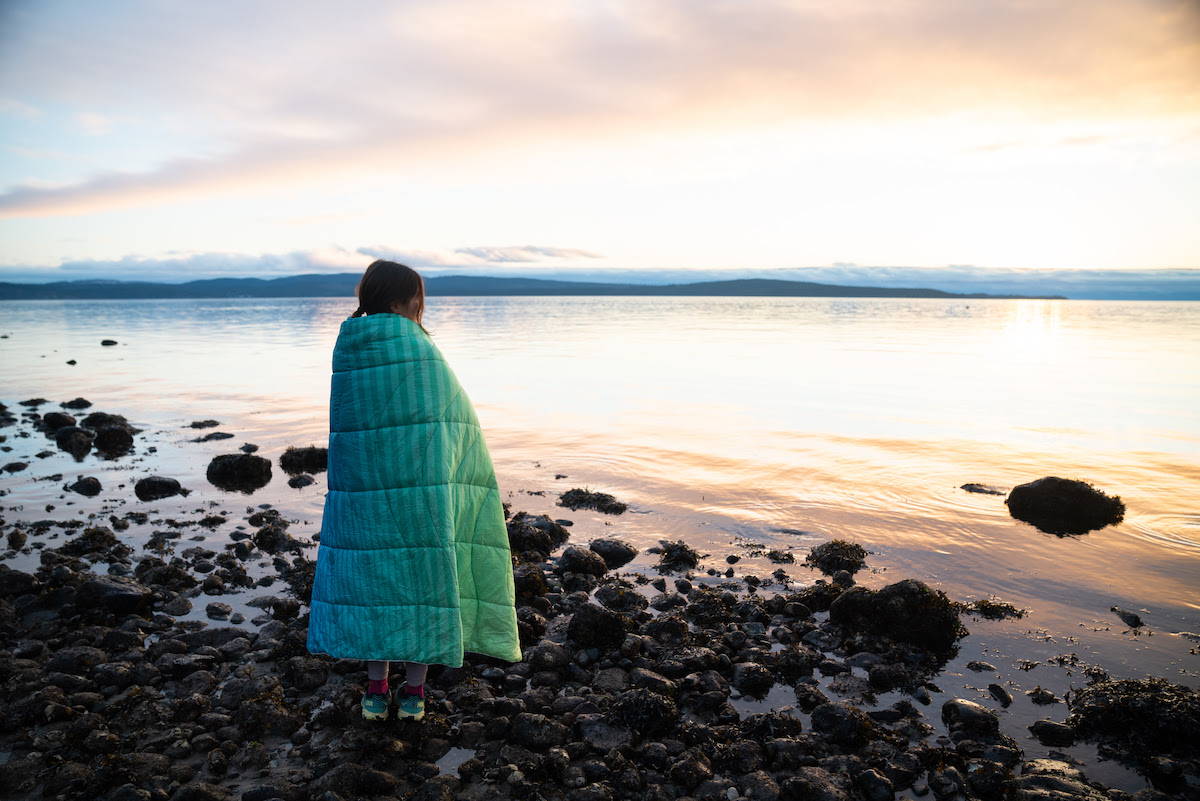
239	472
1064	506
835	555
907	611
602	502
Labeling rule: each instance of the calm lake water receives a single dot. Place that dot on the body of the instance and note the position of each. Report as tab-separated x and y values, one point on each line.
774	421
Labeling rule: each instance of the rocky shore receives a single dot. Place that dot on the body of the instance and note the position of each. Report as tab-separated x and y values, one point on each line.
677	682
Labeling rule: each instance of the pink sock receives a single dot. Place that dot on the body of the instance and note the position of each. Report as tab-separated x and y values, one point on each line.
379	687
418	690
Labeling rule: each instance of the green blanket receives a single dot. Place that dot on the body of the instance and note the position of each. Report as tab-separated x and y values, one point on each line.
414	561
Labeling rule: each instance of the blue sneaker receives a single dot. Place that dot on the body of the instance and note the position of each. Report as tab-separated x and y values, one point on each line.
409	705
374	706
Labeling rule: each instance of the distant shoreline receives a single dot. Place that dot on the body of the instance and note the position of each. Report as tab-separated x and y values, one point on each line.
343	284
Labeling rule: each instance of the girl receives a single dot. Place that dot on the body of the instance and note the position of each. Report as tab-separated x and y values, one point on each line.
413	564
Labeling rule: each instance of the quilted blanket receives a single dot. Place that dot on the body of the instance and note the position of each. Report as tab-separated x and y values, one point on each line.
414	561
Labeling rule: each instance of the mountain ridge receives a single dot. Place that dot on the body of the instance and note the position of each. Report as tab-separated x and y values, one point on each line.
342	285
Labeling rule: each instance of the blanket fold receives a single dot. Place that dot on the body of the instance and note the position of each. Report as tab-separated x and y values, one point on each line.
413	562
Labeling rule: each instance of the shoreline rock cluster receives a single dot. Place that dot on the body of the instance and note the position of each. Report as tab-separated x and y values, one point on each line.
627	690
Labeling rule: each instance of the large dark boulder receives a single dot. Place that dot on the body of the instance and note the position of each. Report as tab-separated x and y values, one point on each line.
114	593
1064	506
908	611
582	560
239	472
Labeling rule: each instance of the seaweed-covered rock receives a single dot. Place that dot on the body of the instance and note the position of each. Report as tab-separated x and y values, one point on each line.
830	557
1064	506
575	499
529	581
907	611
239	472
75	440
615	553
644	711
621	596
675	555
1140	717
114	440
153	488
593	625
844	724
310	459
535	535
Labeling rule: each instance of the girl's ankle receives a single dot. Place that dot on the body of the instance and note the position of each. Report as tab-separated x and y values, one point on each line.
418	690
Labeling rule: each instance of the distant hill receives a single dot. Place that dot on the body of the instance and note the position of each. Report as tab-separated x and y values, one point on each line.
342	285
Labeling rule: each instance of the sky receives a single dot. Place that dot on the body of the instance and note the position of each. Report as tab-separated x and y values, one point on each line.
167	141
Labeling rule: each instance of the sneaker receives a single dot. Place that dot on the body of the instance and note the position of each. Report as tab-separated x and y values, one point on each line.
374	706
408	705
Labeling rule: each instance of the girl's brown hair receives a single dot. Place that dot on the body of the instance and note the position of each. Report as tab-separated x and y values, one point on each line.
385	283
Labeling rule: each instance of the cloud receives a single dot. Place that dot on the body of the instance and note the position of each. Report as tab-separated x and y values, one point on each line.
303	88
92	123
525	253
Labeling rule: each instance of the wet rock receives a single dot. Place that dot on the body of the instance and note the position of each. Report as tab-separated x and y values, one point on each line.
582	560
874	786
1042	697
644	712
213	436
16	582
600	734
53	421
203	424
968	720
1064	506
536	535
201	791
108	343
529	581
982	489
1131	619
620	596
537	732
981	667
993	609
239	472
300	481
153	488
1000	694
88	486
76	403
593	625
97	541
690	770
615	553
1048	732
114	440
813	784
830	557
74	440
844	724
1141	718
14	467
907	611
675	556
1049	780
310	459
752	679
575	499
117	594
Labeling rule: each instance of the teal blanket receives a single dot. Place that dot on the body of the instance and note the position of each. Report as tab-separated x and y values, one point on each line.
413	562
